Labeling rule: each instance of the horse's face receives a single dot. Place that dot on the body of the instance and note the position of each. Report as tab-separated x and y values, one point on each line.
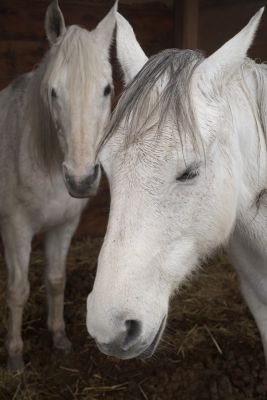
79	86
172	203
169	209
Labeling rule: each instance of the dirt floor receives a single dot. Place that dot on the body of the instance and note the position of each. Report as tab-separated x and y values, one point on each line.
211	348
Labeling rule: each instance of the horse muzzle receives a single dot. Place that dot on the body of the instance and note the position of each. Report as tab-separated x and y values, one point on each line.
82	186
130	343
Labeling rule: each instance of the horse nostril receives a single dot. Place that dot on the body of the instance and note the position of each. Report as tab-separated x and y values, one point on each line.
66	175
96	170
133	330
93	176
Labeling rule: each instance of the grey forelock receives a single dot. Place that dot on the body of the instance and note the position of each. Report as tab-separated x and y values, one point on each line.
161	90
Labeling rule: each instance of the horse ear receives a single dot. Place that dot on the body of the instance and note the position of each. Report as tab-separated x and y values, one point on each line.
54	22
232	53
104	30
129	52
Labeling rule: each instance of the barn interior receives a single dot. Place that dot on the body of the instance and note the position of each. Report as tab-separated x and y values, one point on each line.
211	348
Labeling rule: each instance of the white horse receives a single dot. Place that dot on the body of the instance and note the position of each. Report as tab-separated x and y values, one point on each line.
186	158
51	122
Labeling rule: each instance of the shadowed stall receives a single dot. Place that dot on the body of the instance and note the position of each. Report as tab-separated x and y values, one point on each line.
211	348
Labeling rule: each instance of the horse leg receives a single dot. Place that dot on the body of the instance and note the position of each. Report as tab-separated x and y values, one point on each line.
57	245
17	244
251	266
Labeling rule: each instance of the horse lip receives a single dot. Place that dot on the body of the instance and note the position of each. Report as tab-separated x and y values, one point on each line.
82	192
90	192
81	195
149	351
111	353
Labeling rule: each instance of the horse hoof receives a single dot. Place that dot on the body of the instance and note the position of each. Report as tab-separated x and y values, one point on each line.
15	363
62	343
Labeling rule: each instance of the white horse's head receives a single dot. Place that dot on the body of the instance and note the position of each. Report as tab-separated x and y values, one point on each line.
170	161
76	87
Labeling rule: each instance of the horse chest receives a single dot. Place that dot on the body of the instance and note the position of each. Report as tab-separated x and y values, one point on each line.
48	203
59	208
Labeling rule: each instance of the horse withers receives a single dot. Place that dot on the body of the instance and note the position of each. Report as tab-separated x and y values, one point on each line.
51	122
186	159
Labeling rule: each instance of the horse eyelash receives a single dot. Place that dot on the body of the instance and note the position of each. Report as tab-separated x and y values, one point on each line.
188	174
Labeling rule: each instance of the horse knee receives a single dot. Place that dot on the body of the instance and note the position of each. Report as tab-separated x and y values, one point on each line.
14	345
55	285
17	295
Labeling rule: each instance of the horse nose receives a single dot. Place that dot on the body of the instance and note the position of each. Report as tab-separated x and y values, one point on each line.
93	175
81	185
124	343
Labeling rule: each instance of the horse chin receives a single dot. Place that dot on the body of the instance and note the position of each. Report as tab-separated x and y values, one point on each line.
85	195
122	355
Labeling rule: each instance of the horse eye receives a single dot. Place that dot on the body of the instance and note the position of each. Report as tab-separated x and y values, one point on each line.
107	90
53	93
187	175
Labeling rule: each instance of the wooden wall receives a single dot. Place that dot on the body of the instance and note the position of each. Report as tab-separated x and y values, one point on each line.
22	36
23	43
219	20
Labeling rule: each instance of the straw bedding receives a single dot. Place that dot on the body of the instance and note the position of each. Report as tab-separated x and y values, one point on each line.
211	348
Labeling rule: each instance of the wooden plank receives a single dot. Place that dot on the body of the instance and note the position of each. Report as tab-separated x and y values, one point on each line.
26	22
178	20
186	15
18	57
22	38
4	82
214	31
153	24
191	15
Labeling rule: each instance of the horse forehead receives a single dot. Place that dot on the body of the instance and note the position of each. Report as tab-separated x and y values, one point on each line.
78	55
163	143
140	161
